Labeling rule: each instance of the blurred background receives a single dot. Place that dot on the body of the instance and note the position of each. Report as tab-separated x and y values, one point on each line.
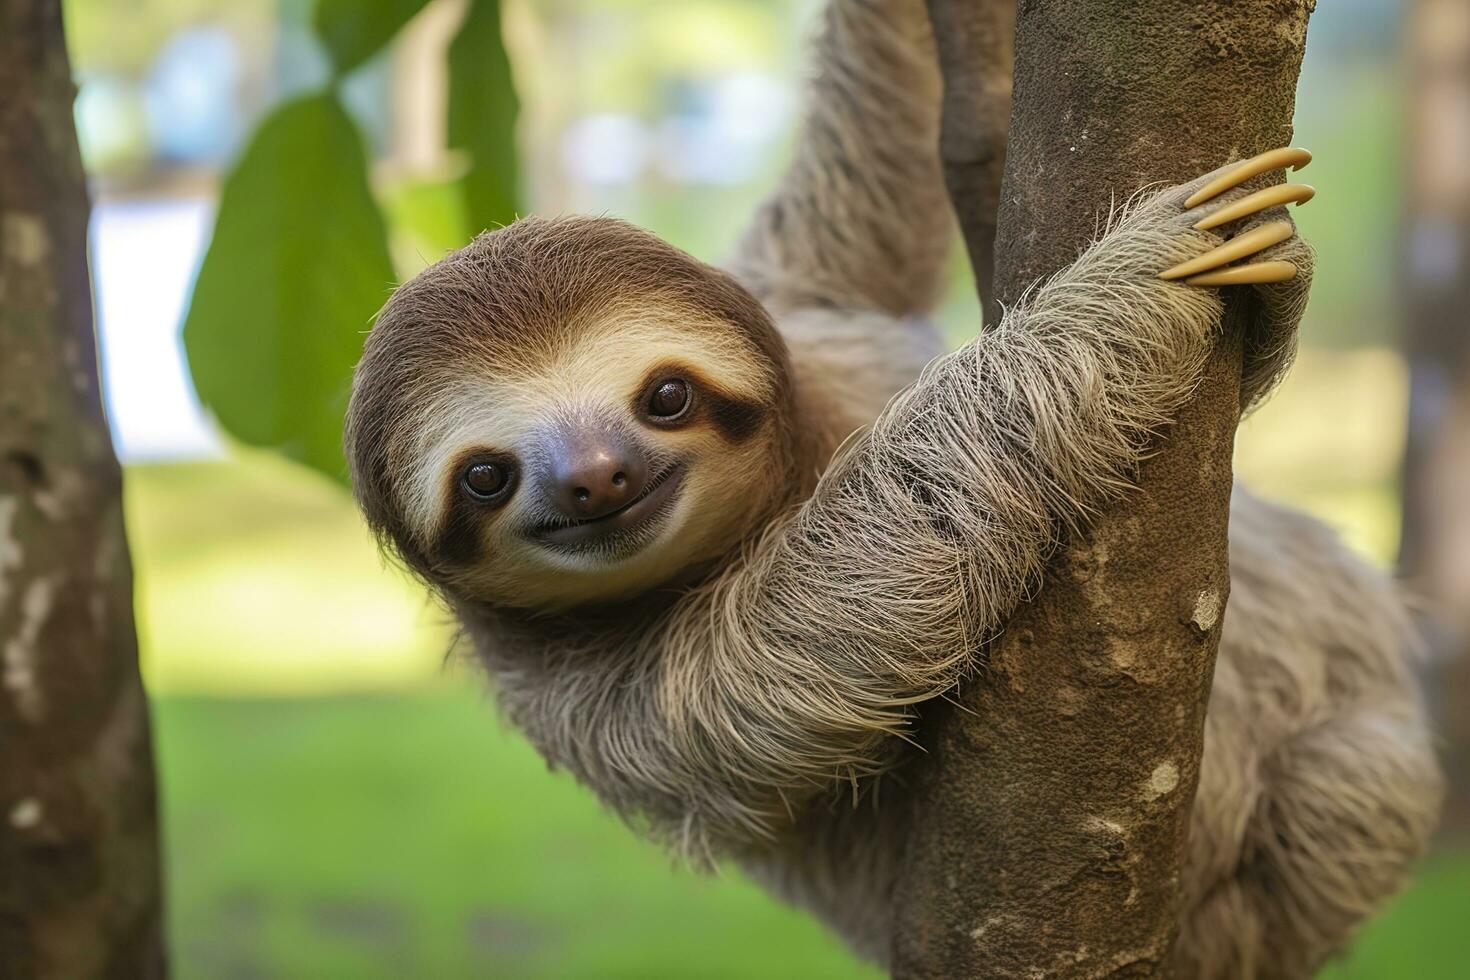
339	797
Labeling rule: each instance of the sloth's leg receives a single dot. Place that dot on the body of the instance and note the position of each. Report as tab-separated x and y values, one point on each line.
1349	804
1341	811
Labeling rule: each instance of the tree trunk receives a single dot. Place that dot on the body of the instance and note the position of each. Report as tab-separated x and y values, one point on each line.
79	880
976	45
1050	819
1434	553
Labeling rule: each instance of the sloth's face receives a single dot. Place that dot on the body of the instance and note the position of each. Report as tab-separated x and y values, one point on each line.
635	448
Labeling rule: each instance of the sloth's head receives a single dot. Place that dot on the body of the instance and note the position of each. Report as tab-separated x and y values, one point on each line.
568	411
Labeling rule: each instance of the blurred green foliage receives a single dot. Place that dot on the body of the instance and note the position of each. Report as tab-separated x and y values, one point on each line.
428	219
297	267
300	260
125	35
353	31
1352	126
482	116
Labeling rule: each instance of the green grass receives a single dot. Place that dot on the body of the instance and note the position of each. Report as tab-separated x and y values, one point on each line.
1422	936
255	576
409	835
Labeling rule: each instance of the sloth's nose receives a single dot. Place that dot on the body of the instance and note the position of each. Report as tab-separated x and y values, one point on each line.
595	473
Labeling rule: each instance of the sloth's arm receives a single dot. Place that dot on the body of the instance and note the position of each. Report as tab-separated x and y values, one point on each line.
860	219
790	673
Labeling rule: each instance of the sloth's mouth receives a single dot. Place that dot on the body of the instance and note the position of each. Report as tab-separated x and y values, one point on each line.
625	529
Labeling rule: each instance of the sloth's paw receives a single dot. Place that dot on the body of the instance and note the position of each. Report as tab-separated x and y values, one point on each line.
1211	206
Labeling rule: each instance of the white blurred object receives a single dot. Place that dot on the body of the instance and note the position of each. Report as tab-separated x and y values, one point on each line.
111	122
605	149
724	133
144	256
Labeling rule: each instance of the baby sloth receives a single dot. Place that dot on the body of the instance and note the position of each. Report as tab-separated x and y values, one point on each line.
718	536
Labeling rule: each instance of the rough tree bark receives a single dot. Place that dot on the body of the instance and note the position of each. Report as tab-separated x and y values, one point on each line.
1434	553
79	880
1050	818
975	42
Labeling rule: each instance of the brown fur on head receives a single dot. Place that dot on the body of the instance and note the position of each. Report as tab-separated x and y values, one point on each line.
530	338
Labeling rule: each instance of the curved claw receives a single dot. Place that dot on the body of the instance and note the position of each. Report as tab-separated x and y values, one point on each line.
1287	156
1239	247
1259	201
1245	275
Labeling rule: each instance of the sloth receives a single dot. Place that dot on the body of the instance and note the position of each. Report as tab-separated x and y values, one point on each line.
718	535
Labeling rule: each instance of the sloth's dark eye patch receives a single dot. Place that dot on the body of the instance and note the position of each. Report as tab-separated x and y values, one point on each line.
669	400
488	481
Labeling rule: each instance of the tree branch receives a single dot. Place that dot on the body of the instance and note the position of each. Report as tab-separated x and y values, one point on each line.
1434	548
1051	813
975	44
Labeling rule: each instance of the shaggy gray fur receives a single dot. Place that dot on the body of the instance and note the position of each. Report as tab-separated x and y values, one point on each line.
764	711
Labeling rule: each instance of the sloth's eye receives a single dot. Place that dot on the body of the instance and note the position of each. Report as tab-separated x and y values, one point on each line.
669	399
486	482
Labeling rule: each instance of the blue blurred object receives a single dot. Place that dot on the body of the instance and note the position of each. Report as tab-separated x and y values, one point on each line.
722	130
111	122
191	97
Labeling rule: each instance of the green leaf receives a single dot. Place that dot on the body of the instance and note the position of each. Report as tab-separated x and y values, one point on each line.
355	30
296	270
482	116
